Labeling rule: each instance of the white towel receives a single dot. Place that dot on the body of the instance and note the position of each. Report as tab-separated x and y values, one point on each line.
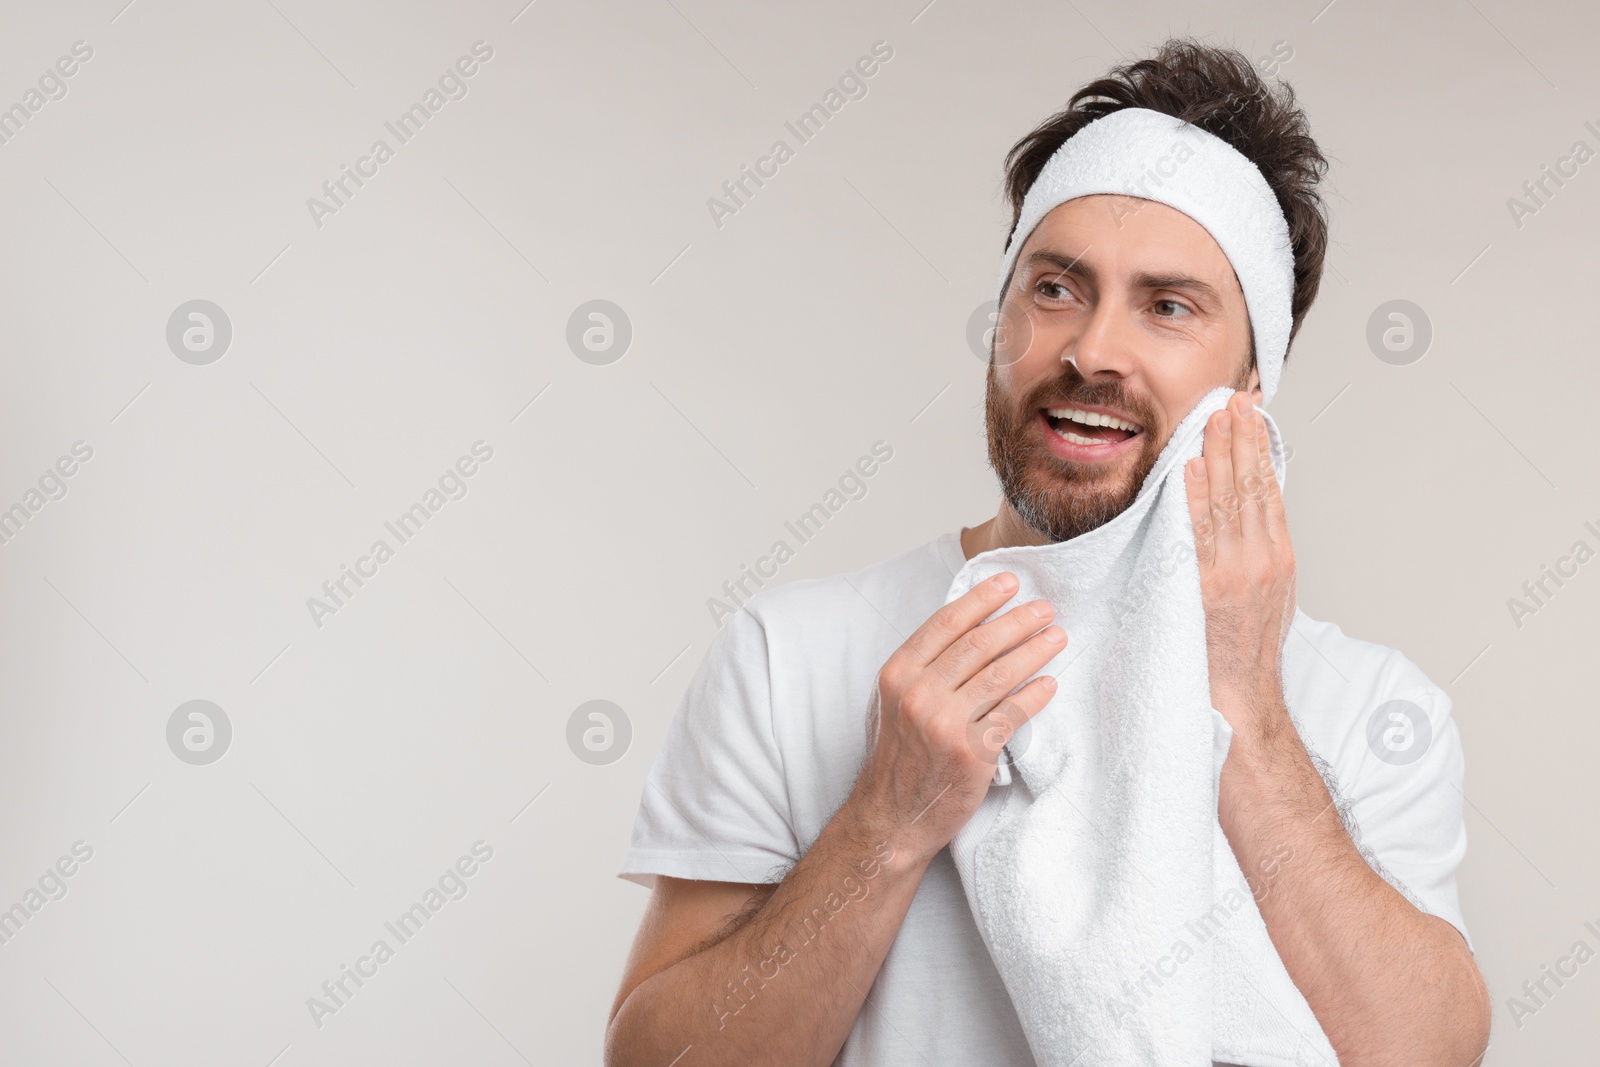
1100	878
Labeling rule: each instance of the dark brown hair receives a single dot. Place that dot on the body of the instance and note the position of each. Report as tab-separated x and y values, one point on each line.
1218	90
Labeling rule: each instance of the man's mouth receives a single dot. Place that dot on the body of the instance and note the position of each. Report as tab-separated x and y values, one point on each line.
1091	428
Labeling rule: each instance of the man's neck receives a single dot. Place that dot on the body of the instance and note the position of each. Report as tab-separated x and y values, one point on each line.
1003	531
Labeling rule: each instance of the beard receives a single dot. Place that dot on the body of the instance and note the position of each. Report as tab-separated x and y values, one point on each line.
1058	498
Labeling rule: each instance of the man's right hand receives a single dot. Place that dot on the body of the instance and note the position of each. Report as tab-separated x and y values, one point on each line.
943	712
734	997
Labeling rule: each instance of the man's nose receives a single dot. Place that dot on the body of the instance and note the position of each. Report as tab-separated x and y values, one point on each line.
1102	345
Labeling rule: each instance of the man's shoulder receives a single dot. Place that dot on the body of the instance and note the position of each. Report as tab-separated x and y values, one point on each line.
1325	653
1321	654
1341	689
890	593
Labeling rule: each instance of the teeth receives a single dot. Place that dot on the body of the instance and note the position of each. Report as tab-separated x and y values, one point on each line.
1068	435
1091	418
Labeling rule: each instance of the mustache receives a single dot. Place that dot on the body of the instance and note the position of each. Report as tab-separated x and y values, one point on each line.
1094	394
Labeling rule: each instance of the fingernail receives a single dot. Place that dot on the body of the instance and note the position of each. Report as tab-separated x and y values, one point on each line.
1005	582
1041	608
1055	635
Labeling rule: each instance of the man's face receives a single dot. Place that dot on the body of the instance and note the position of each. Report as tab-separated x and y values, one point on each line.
1145	301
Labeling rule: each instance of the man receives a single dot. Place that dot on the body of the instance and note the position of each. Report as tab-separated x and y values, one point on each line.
796	824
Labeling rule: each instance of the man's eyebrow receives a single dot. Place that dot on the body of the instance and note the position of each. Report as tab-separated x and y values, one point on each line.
1145	280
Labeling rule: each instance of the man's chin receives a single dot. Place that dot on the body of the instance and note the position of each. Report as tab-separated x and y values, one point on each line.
1060	513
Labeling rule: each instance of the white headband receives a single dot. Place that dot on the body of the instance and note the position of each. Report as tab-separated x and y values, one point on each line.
1148	154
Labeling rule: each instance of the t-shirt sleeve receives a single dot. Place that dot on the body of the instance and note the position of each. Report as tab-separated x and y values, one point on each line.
1407	799
714	805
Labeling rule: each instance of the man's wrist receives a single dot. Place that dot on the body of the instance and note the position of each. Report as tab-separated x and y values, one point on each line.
1256	711
1269	774
867	828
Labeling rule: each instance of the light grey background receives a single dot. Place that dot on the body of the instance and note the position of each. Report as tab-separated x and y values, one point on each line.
371	752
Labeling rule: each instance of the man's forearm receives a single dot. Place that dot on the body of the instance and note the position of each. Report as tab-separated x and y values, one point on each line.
787	985
1388	983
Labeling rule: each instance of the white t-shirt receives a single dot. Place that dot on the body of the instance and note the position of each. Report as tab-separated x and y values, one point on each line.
771	732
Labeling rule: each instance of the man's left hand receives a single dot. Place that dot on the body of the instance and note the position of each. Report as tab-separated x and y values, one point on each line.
1247	573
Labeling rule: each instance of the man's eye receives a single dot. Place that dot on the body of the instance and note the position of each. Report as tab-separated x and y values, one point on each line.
1175	305
1053	290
